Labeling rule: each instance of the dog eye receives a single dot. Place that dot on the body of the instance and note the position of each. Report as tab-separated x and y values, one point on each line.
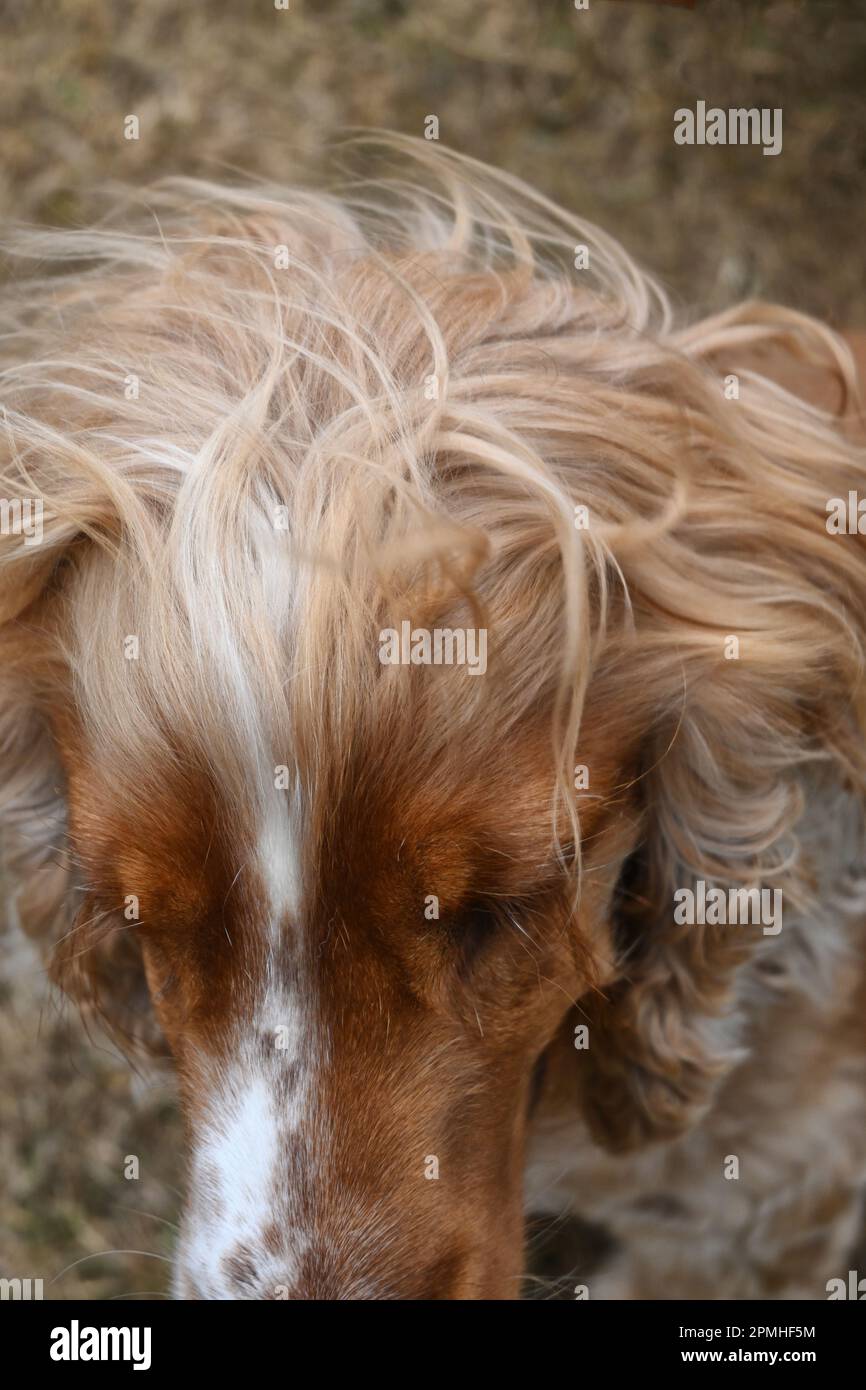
479	923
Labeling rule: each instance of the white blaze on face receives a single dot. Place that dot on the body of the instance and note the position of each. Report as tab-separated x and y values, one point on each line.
240	1176
233	1169
242	1235
239	1184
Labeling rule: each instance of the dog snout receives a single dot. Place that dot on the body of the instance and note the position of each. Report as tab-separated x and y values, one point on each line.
319	1275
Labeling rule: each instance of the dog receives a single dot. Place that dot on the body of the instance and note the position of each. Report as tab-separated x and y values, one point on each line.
434	948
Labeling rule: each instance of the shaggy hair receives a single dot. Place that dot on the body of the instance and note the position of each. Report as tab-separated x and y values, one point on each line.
266	423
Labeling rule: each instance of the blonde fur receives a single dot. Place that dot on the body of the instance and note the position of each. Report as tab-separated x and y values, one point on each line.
409	371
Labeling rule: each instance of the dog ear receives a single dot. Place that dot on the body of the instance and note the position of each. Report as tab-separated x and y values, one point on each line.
737	694
93	955
34	862
664	1025
711	798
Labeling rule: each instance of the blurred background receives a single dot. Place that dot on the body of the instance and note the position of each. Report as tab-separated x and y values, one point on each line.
581	104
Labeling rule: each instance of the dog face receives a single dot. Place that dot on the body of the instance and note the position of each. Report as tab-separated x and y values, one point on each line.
357	996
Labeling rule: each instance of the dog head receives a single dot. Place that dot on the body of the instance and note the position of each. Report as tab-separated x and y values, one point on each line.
412	613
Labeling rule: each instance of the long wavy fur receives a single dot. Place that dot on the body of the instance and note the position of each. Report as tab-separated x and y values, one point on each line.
390	398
